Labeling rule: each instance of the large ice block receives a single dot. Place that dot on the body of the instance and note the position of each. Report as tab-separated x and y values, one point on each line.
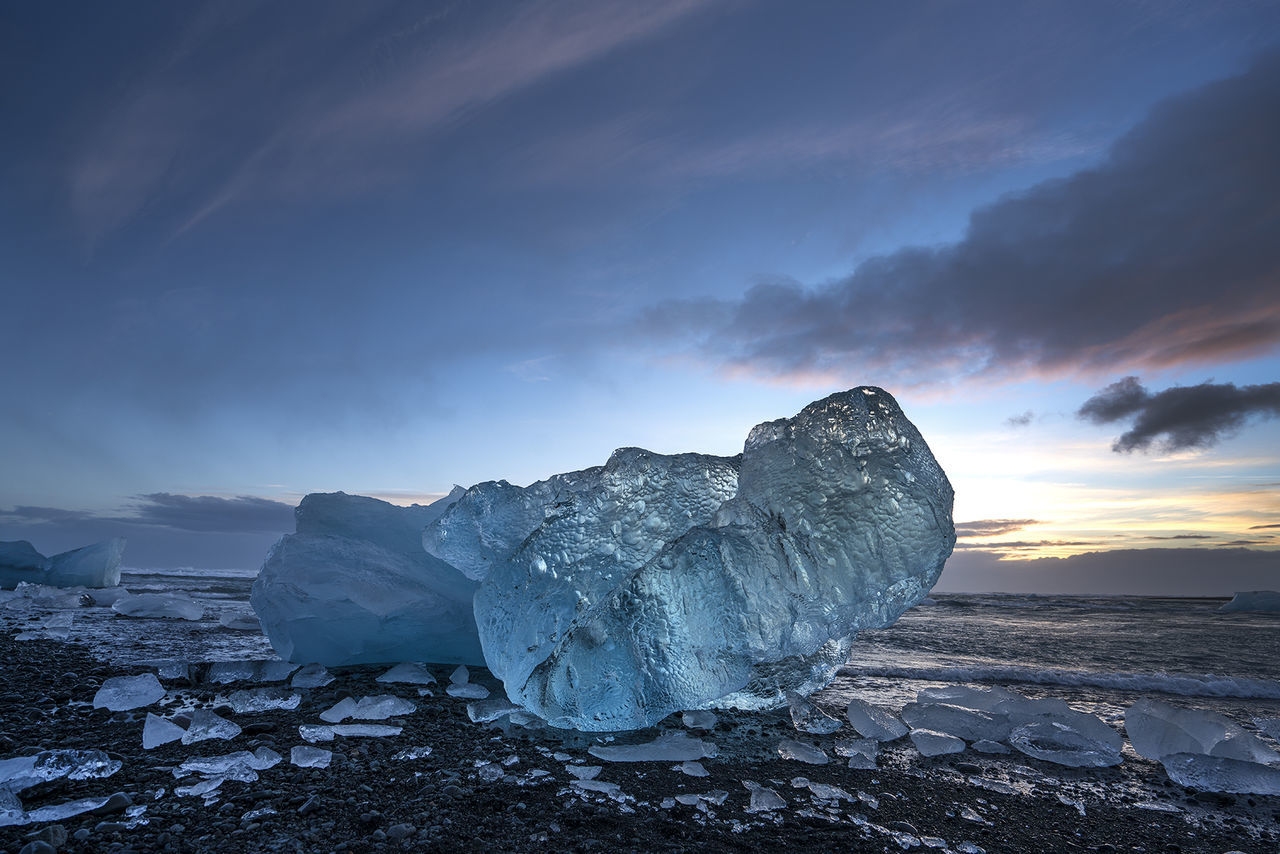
661	583
97	565
354	586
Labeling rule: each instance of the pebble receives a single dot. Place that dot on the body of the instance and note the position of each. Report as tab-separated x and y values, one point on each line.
38	846
310	805
401	831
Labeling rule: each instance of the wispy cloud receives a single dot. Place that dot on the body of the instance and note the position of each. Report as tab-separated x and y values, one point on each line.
1196	416
992	527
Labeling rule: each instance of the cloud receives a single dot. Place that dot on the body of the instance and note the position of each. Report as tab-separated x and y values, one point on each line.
1167	252
1159	572
1196	416
39	515
992	527
245	514
1026	545
1264	527
1020	420
1180	537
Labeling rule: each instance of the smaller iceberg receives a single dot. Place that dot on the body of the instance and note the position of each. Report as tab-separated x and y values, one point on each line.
1264	601
97	565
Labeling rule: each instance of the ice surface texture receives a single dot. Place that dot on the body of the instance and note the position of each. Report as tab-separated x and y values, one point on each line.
97	565
354	586
614	596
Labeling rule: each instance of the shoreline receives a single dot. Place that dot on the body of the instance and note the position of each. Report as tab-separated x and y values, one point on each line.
462	797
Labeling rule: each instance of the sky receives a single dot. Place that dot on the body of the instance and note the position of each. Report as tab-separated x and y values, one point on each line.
256	250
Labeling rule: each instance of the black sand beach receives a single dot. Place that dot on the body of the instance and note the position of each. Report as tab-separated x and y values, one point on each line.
367	801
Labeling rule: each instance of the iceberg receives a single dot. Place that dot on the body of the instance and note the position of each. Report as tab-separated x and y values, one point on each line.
613	596
353	585
97	565
1265	601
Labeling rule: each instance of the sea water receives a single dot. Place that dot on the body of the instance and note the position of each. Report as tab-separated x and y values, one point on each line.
1098	653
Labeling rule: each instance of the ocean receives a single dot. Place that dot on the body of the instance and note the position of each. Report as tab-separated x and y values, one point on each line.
1098	653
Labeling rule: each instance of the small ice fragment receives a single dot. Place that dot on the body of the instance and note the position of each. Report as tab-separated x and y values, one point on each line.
205	725
933	842
312	676
202	788
669	747
931	743
513	759
340	711
490	709
315	732
239	622
971	724
871	801
762	799
561	757
412	753
613	790
490	772
969	848
263	700
807	717
229	764
693	769
24	772
584	772
861	752
120	693
371	730
875	721
60	812
801	752
159	605
986	745
461	676
826	792
1071	802
968	814
410	672
699	719
58	626
467	690
688	800
157	731
310	757
173	668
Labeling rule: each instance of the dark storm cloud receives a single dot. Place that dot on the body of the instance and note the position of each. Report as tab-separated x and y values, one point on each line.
244	514
1166	252
1186	416
992	527
37	515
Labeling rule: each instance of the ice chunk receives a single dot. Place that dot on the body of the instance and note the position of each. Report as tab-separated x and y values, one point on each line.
608	613
1221	774
674	746
20	562
375	708
206	725
1060	742
274	670
1266	601
157	731
1270	726
762	799
27	771
315	732
239	622
223	672
1157	729
310	757
699	719
421	752
410	672
263	700
158	605
986	745
366	730
693	769
969	724
120	693
584	772
807	717
861	752
227	765
483	711
801	752
823	791
460	676
931	743
467	691
311	676
873	721
97	565
354	586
